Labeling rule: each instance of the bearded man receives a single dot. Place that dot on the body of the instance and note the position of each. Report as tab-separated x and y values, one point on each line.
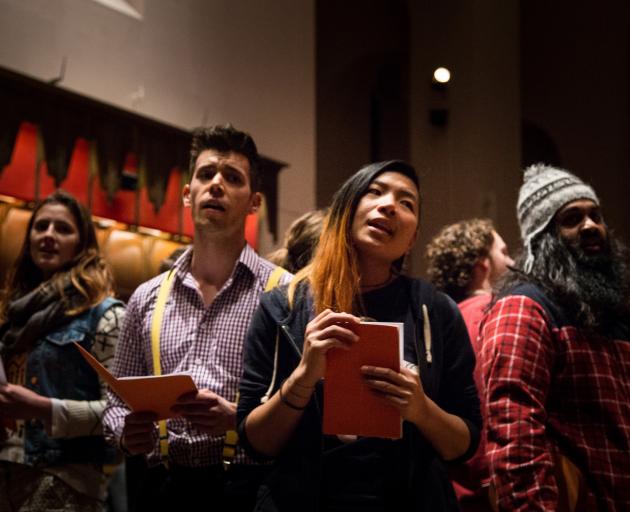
556	357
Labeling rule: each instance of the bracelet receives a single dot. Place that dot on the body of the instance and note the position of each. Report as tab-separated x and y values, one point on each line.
287	403
296	383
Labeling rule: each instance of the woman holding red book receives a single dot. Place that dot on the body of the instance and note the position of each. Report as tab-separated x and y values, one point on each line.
356	271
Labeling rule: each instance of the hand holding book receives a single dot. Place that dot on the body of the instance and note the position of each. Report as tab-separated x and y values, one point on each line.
358	379
328	330
207	412
151	393
403	390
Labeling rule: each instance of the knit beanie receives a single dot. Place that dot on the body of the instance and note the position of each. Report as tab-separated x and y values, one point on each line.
544	191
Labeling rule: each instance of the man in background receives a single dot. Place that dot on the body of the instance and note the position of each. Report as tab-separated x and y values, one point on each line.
555	357
466	260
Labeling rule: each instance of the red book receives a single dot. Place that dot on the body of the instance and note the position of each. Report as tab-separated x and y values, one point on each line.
350	406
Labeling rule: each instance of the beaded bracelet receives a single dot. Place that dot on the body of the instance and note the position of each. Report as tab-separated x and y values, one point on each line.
287	403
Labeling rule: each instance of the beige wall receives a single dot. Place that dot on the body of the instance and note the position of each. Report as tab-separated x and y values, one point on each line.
187	62
471	166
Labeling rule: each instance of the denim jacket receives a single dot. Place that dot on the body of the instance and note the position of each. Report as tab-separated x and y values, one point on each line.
56	369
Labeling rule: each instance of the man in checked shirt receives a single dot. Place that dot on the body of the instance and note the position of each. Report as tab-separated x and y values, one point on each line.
215	290
556	357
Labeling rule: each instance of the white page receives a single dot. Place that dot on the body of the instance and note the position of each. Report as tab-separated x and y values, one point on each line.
3	375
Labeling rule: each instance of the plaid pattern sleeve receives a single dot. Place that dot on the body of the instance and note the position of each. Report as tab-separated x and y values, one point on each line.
516	358
554	391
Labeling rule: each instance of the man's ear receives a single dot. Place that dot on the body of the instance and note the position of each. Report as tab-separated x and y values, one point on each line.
255	202
485	263
482	268
186	195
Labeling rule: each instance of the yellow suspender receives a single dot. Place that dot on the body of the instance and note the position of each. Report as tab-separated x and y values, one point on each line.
231	437
156	325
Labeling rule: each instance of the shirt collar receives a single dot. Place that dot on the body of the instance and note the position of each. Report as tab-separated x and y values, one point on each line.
248	259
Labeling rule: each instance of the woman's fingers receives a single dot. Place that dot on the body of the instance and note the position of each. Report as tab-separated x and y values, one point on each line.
387	388
337	331
385	380
327	318
401	389
387	374
326	331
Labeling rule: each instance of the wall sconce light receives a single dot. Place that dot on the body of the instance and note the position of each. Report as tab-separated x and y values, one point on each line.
438	115
441	76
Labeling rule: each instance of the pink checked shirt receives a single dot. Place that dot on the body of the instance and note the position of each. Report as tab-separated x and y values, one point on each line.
204	341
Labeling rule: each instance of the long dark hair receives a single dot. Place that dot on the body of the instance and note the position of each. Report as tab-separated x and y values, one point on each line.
333	274
87	271
593	291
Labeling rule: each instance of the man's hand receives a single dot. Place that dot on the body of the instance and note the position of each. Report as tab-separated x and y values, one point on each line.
139	432
207	412
20	403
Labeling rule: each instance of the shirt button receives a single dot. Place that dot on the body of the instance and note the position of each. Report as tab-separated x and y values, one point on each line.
198	361
33	380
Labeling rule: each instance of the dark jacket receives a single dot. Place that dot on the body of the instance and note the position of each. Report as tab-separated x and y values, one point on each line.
56	369
448	380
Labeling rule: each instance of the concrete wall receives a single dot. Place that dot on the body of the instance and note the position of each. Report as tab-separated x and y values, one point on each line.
186	63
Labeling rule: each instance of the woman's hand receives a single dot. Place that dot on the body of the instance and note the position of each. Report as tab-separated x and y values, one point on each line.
401	389
20	403
448	433
326	331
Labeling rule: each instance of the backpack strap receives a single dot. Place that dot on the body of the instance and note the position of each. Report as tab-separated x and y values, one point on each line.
274	278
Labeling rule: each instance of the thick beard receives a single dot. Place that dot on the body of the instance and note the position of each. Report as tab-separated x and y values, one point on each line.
600	284
592	290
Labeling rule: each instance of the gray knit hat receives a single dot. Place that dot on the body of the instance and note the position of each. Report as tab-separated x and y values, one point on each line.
544	191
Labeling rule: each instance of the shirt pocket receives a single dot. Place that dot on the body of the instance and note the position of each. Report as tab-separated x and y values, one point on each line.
66	337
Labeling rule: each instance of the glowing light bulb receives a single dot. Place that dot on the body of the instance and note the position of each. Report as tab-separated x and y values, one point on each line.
441	75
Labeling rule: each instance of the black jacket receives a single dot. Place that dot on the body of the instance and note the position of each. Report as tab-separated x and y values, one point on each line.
294	479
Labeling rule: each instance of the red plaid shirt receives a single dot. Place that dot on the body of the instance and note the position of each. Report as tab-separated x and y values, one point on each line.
550	389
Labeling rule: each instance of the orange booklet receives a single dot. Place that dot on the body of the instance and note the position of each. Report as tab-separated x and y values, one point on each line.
155	393
350	406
